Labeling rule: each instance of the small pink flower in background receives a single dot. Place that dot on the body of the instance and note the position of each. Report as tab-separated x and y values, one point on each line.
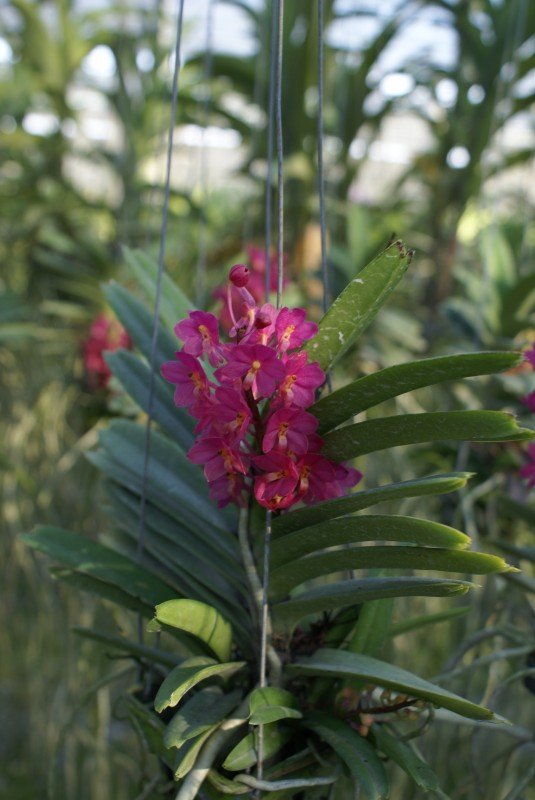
257	406
189	377
288	429
292	328
529	401
528	470
105	334
200	335
529	356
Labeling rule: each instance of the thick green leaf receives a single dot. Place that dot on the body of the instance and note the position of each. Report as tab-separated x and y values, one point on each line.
340	664
271	704
225	786
150	654
340	594
403	755
188	753
200	713
357	305
369	391
201	621
369	528
93	558
419	487
356	752
187	675
435	559
134	376
103	589
372	627
415	623
138	322
174	304
245	754
381	434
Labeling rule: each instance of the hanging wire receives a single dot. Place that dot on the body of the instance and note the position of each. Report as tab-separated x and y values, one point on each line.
157	301
276	48
200	271
321	167
270	135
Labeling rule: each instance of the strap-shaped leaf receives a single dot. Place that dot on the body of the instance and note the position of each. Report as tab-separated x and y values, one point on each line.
198	714
200	620
173	302
189	752
138	322
340	594
372	626
94	559
357	305
369	391
415	623
245	754
369	528
134	376
341	664
187	675
355	751
285	578
439	426
103	589
404	755
271	704
419	487
152	654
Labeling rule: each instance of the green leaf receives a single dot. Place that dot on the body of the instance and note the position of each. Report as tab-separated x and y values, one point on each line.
369	528
372	627
138	322
357	305
245	754
356	752
103	589
415	623
199	714
226	786
391	382
134	376
340	664
149	728
174	305
188	753
271	704
94	559
199	620
419	487
150	654
404	755
340	594
285	578
187	675
439	426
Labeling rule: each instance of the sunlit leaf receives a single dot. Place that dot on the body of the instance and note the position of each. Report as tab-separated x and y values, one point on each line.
187	675
199	620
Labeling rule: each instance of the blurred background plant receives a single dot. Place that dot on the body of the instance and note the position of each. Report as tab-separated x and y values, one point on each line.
427	133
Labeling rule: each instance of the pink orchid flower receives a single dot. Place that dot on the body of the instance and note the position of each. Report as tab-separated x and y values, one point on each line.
292	328
189	377
277	481
200	334
217	456
289	429
300	381
259	367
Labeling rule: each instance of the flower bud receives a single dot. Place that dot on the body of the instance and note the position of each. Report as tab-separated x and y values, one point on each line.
262	320
239	275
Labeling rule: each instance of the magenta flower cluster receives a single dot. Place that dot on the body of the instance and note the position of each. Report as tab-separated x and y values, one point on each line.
528	470
252	425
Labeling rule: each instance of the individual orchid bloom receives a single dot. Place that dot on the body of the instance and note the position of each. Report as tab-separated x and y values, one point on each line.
229	488
200	334
347	477
528	470
289	429
230	413
300	381
316	475
278	479
190	379
292	328
217	456
259	367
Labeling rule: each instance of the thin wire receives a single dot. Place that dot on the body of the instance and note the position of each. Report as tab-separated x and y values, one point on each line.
157	301
203	163
280	276
269	186
321	166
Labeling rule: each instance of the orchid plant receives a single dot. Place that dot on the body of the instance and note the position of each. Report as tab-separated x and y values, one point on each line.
335	709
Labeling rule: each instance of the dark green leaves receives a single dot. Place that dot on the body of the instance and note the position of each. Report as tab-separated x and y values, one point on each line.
380	434
391	382
433	484
341	664
357	753
245	754
206	709
354	309
271	705
187	675
201	621
403	755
